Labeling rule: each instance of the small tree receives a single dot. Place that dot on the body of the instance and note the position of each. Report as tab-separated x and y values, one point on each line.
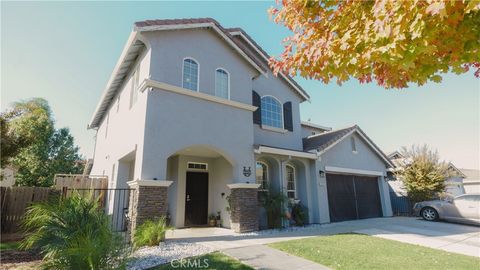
423	173
31	144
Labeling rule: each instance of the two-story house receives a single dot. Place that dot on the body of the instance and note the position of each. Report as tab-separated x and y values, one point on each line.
194	119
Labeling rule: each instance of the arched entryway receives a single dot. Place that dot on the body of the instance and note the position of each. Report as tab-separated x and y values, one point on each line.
200	175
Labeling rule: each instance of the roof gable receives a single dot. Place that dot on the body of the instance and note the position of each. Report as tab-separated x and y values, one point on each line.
135	44
327	140
264	57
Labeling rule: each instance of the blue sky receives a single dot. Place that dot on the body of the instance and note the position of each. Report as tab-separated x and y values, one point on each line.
65	52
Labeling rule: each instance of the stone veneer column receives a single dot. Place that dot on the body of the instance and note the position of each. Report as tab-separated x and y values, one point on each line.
148	200
244	207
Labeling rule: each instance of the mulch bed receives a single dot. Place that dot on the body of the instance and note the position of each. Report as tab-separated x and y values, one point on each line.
16	256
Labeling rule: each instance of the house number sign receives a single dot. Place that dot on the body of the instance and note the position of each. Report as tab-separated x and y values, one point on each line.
247	172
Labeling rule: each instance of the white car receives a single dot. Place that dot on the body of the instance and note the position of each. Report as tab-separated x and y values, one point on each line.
464	208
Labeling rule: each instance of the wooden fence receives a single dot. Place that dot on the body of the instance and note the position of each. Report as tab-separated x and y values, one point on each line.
15	201
79	181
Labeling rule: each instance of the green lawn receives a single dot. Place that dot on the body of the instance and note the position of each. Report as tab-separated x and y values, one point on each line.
9	245
215	260
356	251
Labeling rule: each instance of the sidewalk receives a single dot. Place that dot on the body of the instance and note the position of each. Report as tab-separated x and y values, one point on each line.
264	257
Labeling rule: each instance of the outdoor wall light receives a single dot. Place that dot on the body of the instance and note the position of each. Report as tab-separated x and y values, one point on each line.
321	173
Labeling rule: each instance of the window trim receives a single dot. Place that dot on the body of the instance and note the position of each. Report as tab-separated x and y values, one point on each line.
135	84
228	82
198	72
267	173
281	113
294	181
197	169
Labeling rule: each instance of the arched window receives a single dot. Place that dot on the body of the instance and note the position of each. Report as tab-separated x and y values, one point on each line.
272	113
190	74
291	185
222	83
261	172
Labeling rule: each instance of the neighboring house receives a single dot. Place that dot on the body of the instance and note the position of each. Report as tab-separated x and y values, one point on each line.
454	185
194	119
471	183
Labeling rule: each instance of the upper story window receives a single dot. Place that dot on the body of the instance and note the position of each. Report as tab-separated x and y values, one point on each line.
261	172
222	83
134	87
291	185
190	74
272	112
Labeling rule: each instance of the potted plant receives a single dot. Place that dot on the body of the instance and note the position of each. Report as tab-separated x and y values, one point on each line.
212	220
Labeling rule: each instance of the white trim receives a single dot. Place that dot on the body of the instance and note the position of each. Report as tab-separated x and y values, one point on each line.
332	169
195	169
312	125
243	185
187	92
281	111
275	129
198	72
461	174
395	153
202	25
294	180
228	81
364	138
284	152
149	183
236	33
266	166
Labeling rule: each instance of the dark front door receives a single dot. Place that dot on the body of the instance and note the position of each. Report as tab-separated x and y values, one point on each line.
196	199
353	197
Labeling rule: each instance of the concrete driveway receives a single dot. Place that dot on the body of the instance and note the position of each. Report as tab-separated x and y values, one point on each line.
456	238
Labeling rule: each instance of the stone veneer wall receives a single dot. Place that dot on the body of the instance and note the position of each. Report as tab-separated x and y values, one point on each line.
244	209
147	202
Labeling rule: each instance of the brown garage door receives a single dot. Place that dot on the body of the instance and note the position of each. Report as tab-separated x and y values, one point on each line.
353	197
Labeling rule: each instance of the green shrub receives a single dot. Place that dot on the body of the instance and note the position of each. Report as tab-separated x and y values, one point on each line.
299	214
274	203
73	233
151	232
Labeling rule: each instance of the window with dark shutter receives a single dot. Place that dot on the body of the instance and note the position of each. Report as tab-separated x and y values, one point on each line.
256	101
287	116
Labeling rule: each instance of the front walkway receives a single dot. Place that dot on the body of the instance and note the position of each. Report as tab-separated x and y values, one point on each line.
456	238
264	257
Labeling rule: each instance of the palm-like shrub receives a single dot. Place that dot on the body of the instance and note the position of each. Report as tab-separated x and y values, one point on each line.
73	233
274	203
151	232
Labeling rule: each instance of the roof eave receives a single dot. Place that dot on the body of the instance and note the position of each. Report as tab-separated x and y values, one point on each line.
202	25
96	117
301	92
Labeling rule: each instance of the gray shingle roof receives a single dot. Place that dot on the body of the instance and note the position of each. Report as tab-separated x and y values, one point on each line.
321	141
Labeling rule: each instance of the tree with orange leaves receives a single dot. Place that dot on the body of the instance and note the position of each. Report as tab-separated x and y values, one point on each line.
391	42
